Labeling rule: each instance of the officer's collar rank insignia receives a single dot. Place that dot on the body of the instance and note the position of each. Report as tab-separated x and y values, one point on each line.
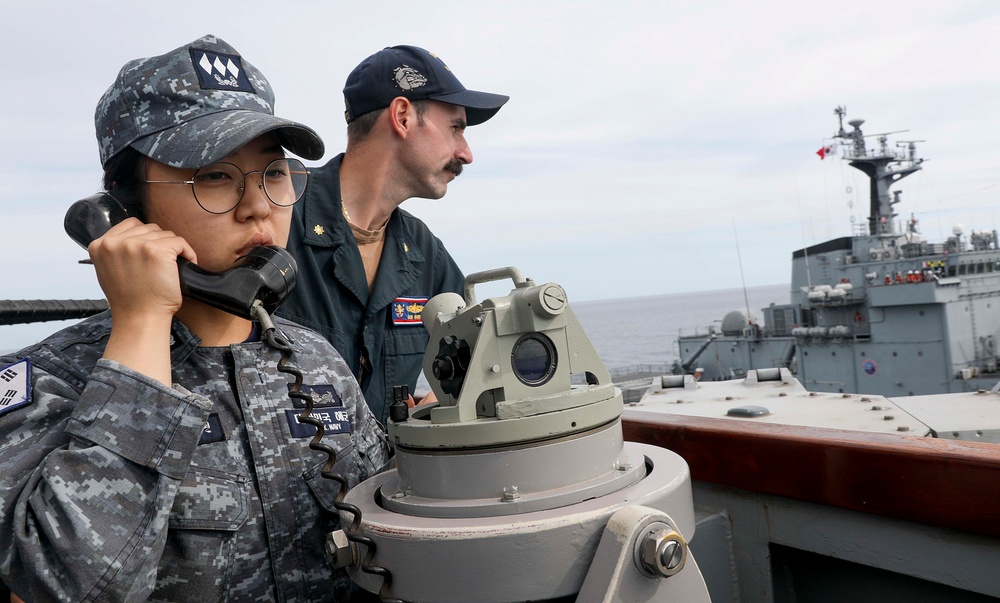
213	430
15	386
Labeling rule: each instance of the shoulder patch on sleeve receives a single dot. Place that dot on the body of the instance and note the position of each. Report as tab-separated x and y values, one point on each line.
15	385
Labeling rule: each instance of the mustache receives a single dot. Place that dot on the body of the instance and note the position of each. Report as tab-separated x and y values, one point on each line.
454	166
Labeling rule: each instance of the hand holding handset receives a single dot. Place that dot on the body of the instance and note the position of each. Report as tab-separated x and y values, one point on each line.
265	274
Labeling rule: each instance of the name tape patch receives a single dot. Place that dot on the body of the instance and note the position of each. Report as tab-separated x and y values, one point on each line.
217	71
15	386
407	310
334	421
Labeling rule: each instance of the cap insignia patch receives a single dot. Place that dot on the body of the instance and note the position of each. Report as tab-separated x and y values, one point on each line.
218	71
408	78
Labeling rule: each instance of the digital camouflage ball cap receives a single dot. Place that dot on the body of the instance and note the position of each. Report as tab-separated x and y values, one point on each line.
416	74
193	106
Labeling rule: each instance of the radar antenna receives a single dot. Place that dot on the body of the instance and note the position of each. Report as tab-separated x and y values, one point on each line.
840	112
883	165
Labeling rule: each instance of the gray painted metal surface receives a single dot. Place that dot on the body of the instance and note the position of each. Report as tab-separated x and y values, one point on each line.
509	481
616	576
883	311
963	564
970	416
525	557
787	403
513	480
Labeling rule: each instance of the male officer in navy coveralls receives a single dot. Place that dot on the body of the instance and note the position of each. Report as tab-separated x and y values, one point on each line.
366	267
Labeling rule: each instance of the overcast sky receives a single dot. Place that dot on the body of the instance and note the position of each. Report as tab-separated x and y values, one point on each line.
648	147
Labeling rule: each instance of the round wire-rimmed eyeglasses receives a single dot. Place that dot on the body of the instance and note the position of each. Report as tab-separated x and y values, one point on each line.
219	188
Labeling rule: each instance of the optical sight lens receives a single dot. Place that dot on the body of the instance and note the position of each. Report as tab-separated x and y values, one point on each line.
533	359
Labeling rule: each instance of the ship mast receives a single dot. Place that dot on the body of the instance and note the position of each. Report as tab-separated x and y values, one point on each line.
883	167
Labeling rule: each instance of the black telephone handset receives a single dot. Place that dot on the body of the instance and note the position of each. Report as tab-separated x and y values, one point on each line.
253	288
265	274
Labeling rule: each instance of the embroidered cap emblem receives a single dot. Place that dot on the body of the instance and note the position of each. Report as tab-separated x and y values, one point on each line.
217	71
229	66
408	78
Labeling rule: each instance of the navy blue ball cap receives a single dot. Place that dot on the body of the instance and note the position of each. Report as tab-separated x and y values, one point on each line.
416	74
193	106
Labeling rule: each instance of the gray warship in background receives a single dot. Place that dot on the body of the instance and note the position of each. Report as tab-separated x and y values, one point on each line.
883	311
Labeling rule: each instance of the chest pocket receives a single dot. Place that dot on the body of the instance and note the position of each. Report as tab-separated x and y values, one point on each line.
406	340
324	489
204	526
210	500
403	353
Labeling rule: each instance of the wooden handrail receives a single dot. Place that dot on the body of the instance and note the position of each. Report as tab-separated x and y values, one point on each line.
947	483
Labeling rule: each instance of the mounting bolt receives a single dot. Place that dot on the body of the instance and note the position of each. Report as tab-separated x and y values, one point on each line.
902	428
510	494
340	550
663	553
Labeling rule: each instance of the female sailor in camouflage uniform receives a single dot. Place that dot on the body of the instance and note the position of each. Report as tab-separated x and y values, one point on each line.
153	452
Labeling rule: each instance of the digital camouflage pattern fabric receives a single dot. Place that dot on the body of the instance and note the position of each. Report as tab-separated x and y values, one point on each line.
114	487
192	106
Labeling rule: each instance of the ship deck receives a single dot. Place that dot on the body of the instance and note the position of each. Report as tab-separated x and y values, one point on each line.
821	513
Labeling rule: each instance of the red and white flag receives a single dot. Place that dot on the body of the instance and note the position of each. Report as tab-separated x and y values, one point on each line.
828	150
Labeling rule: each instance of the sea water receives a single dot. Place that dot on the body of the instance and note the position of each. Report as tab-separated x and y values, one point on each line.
643	330
625	332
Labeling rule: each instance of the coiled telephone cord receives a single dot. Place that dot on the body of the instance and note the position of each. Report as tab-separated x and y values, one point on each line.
276	341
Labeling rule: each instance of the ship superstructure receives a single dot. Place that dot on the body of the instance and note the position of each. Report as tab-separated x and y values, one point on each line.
881	311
